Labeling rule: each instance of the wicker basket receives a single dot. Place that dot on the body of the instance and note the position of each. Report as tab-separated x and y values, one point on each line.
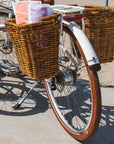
99	23
36	46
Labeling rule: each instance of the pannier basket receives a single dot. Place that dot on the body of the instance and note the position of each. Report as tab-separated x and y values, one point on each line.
36	46
99	28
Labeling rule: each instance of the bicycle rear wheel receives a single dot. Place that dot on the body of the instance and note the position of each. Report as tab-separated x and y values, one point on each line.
76	97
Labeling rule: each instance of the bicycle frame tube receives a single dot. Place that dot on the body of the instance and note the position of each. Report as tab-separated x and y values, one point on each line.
2	26
86	46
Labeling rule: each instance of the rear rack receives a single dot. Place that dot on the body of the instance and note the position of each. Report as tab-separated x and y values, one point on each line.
70	13
67	9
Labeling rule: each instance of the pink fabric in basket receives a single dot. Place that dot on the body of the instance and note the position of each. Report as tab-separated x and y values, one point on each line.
31	11
22	12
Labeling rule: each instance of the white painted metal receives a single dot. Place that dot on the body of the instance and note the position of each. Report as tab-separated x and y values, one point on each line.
67	9
86	46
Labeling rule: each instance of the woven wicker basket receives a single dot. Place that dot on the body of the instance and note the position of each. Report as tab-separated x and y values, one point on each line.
36	46
99	23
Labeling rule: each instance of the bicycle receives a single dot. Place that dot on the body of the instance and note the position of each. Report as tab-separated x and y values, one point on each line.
74	94
8	62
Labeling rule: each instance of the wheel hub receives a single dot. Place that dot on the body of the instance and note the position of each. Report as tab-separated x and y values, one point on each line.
69	76
66	77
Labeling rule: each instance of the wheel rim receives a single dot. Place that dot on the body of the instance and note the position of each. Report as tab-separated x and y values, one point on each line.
74	102
8	60
6	49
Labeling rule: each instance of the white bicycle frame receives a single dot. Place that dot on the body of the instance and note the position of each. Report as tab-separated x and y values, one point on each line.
86	46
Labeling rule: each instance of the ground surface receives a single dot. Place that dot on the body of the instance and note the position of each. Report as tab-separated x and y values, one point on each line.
37	124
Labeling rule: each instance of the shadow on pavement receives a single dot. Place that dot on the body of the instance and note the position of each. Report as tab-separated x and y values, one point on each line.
37	102
11	91
105	133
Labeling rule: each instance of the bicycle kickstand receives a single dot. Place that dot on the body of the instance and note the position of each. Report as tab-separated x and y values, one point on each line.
25	96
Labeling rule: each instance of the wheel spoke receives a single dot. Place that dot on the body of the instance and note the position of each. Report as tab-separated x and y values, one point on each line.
72	100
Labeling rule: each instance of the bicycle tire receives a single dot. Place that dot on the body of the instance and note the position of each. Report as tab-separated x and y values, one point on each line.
89	123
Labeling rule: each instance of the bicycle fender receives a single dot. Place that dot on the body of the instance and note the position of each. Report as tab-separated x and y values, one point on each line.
86	46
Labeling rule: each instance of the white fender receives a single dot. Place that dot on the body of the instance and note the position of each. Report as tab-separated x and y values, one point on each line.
86	46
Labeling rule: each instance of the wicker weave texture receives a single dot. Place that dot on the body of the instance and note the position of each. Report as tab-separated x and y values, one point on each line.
36	46
99	23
